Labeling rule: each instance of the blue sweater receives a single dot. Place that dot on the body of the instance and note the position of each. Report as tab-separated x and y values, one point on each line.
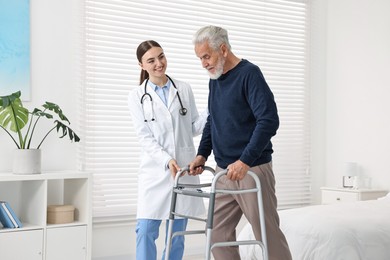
243	118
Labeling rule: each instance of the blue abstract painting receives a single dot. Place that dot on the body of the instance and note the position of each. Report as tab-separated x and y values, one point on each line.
15	47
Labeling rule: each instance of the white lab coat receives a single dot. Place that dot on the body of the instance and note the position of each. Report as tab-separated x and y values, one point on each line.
169	136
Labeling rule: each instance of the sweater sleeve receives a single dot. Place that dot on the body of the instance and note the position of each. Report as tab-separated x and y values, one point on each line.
205	145
263	106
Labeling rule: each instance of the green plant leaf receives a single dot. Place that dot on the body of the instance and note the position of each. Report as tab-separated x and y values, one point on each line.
6	100
38	112
13	115
66	130
56	109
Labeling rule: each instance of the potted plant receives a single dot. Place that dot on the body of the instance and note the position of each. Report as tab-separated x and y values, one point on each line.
14	118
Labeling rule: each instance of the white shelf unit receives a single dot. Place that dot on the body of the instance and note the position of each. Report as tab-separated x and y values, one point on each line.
29	196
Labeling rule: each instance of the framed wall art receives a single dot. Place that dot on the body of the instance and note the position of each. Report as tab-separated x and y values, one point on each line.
15	48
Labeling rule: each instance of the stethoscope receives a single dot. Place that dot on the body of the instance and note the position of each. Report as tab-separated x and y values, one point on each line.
182	110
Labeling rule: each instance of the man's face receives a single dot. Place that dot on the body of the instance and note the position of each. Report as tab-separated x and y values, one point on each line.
212	60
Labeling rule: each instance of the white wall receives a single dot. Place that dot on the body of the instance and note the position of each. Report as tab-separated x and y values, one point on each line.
348	83
348	68
316	68
358	89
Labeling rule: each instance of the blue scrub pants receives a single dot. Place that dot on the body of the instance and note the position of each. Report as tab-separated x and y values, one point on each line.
147	232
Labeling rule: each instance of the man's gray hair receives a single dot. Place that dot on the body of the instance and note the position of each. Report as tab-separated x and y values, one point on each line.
214	35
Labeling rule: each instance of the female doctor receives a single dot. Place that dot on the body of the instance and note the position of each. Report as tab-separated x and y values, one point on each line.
166	120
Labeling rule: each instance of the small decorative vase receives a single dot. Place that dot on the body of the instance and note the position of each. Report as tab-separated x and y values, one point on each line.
27	161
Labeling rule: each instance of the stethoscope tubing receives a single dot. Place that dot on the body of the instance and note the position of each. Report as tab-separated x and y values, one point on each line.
182	110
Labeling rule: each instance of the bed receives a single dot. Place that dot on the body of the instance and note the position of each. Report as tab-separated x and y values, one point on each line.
344	231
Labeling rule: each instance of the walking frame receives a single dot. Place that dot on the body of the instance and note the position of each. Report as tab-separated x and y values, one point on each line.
195	190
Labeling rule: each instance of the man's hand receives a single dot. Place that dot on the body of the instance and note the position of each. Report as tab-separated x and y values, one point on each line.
195	165
237	170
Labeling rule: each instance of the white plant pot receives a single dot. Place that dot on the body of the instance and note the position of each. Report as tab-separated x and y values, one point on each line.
27	161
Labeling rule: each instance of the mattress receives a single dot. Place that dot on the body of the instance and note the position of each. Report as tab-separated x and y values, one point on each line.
345	231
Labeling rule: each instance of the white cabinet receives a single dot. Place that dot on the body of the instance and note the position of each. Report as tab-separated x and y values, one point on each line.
21	245
29	196
338	195
64	243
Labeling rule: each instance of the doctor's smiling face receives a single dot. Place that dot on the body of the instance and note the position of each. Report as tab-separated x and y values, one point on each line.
155	63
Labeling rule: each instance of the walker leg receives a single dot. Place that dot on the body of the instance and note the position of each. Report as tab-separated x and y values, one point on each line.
169	240
210	221
170	226
208	244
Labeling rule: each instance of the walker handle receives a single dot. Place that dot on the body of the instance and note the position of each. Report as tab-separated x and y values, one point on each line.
187	169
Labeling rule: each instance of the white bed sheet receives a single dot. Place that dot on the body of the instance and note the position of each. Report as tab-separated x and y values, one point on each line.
345	231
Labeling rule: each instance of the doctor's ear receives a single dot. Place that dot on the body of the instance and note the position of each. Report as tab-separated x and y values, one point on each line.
141	65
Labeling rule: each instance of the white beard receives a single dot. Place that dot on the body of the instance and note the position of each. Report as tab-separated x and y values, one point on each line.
218	69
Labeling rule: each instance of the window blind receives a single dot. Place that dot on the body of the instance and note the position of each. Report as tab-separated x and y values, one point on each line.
270	33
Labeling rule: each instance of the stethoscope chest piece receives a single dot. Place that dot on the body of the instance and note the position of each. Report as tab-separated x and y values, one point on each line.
183	111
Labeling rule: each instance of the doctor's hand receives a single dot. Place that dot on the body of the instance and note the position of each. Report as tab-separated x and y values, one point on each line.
173	167
237	170
195	165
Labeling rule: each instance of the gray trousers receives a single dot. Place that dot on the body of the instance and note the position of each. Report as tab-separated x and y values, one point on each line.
229	209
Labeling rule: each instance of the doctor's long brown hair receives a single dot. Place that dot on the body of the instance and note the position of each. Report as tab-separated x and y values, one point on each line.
142	48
